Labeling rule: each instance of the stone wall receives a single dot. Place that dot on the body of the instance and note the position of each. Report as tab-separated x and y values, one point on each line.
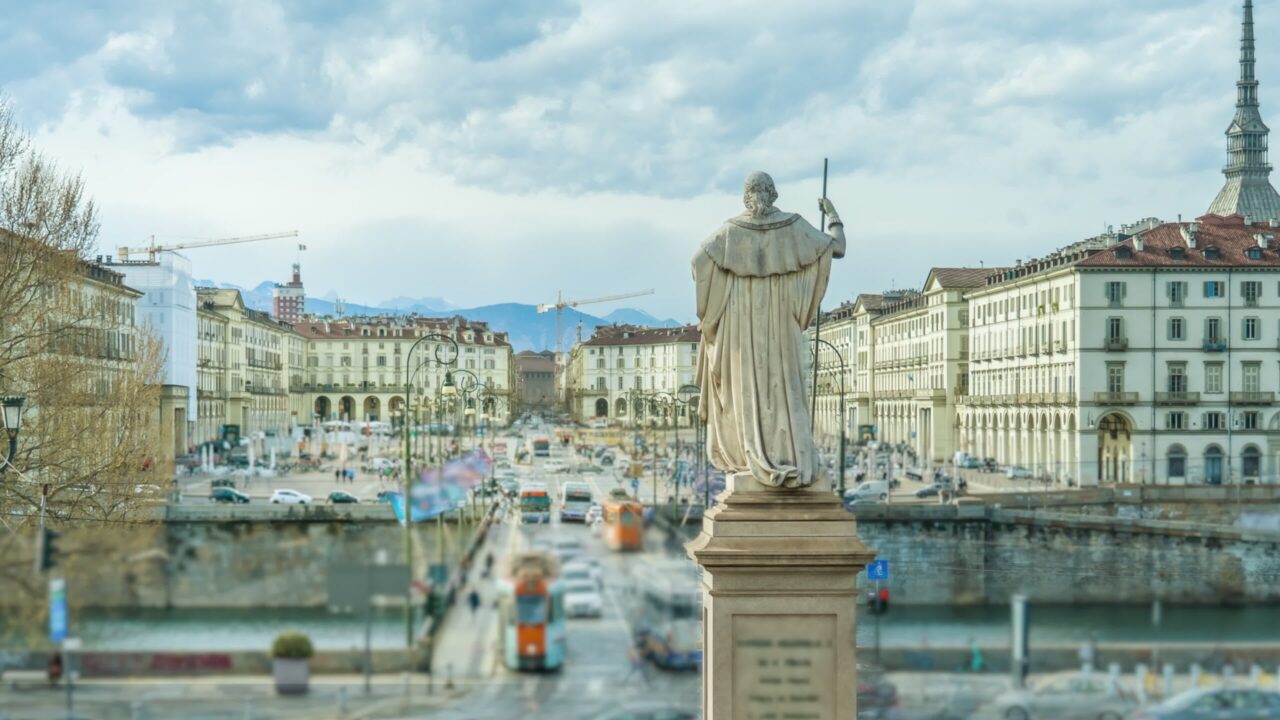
971	555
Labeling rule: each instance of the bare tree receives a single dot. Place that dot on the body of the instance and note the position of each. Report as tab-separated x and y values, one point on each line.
69	345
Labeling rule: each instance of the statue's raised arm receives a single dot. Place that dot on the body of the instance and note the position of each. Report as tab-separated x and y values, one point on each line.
760	279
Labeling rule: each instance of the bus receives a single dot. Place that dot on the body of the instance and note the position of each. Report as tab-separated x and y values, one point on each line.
575	500
540	447
623	520
531	614
667	623
535	504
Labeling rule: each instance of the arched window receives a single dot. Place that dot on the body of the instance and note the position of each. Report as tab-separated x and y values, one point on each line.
1213	465
1251	462
1177	462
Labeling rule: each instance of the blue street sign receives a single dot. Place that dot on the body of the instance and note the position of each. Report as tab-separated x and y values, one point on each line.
878	570
635	483
57	610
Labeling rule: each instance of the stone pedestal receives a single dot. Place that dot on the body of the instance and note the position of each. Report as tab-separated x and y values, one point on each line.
779	598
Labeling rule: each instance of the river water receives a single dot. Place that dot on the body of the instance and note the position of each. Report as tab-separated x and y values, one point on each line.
227	630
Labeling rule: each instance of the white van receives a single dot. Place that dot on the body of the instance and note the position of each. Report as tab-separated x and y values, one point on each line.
869	490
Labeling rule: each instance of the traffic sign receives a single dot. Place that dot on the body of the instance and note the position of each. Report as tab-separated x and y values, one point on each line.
635	483
878	570
57	610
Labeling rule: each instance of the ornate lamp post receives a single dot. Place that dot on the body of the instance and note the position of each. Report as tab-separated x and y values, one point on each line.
843	372
445	354
12	425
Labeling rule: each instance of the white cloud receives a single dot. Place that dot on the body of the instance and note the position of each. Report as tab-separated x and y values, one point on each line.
485	154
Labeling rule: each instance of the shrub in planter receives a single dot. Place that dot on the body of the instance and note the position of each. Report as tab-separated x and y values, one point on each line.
290	654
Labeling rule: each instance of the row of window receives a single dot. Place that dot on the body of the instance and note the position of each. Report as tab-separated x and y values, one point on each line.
1175	291
1176	329
1250	377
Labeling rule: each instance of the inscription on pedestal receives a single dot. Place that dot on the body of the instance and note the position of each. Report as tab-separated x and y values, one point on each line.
784	667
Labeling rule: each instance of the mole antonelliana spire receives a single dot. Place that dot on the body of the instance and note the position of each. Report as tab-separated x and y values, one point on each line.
1248	190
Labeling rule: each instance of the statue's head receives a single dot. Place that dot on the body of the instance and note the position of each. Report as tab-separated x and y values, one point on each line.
758	193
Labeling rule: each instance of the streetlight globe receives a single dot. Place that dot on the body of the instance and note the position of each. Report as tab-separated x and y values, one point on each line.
13	414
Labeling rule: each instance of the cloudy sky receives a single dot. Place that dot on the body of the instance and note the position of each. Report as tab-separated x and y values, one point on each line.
501	150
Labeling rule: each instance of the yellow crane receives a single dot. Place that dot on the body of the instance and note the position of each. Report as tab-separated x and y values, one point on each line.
560	304
154	249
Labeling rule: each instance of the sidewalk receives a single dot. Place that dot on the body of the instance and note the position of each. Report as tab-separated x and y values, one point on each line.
466	645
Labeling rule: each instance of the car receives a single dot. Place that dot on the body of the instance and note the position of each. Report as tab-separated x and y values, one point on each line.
290	497
599	425
869	490
931	490
876	695
1216	703
338	497
567	548
583	568
227	495
1066	696
594	513
1017	472
510	486
606	459
585	468
582	598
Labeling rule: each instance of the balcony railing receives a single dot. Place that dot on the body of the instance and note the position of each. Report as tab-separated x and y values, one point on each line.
1116	344
1215	344
1115	398
1064	398
1177	397
1253	398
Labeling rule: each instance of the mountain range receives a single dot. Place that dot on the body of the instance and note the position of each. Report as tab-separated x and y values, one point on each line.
527	328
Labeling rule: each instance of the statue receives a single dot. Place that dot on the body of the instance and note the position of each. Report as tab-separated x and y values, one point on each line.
760	279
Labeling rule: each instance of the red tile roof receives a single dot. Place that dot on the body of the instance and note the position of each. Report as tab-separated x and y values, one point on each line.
637	335
1166	246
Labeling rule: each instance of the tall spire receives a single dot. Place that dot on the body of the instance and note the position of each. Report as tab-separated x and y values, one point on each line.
1248	190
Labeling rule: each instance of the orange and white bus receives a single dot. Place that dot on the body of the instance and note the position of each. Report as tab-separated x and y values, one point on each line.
531	612
622	523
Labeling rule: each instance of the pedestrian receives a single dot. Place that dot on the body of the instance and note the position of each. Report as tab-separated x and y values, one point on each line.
55	668
337	475
473	599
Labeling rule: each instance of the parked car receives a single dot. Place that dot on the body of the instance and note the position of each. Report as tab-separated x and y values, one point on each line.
338	497
582	598
290	497
1067	697
932	489
869	490
227	495
1017	472
1215	704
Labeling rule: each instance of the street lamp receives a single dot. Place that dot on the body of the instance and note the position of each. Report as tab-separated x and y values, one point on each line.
843	372
444	355
12	424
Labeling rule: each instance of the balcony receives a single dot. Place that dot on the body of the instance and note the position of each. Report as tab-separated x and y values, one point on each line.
1253	398
1059	346
1215	344
1116	344
1177	398
1116	398
1064	398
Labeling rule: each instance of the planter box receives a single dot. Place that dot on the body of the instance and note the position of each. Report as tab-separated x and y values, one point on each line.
292	676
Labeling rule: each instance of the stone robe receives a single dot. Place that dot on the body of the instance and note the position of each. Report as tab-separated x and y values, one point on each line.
759	283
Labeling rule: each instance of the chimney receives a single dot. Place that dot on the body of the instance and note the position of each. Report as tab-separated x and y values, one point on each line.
1273	222
1264	240
1247	219
1137	243
1189	234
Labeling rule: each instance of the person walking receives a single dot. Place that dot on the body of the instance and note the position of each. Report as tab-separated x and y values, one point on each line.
473	599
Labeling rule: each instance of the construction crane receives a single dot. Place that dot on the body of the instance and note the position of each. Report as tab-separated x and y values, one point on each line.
560	304
153	249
